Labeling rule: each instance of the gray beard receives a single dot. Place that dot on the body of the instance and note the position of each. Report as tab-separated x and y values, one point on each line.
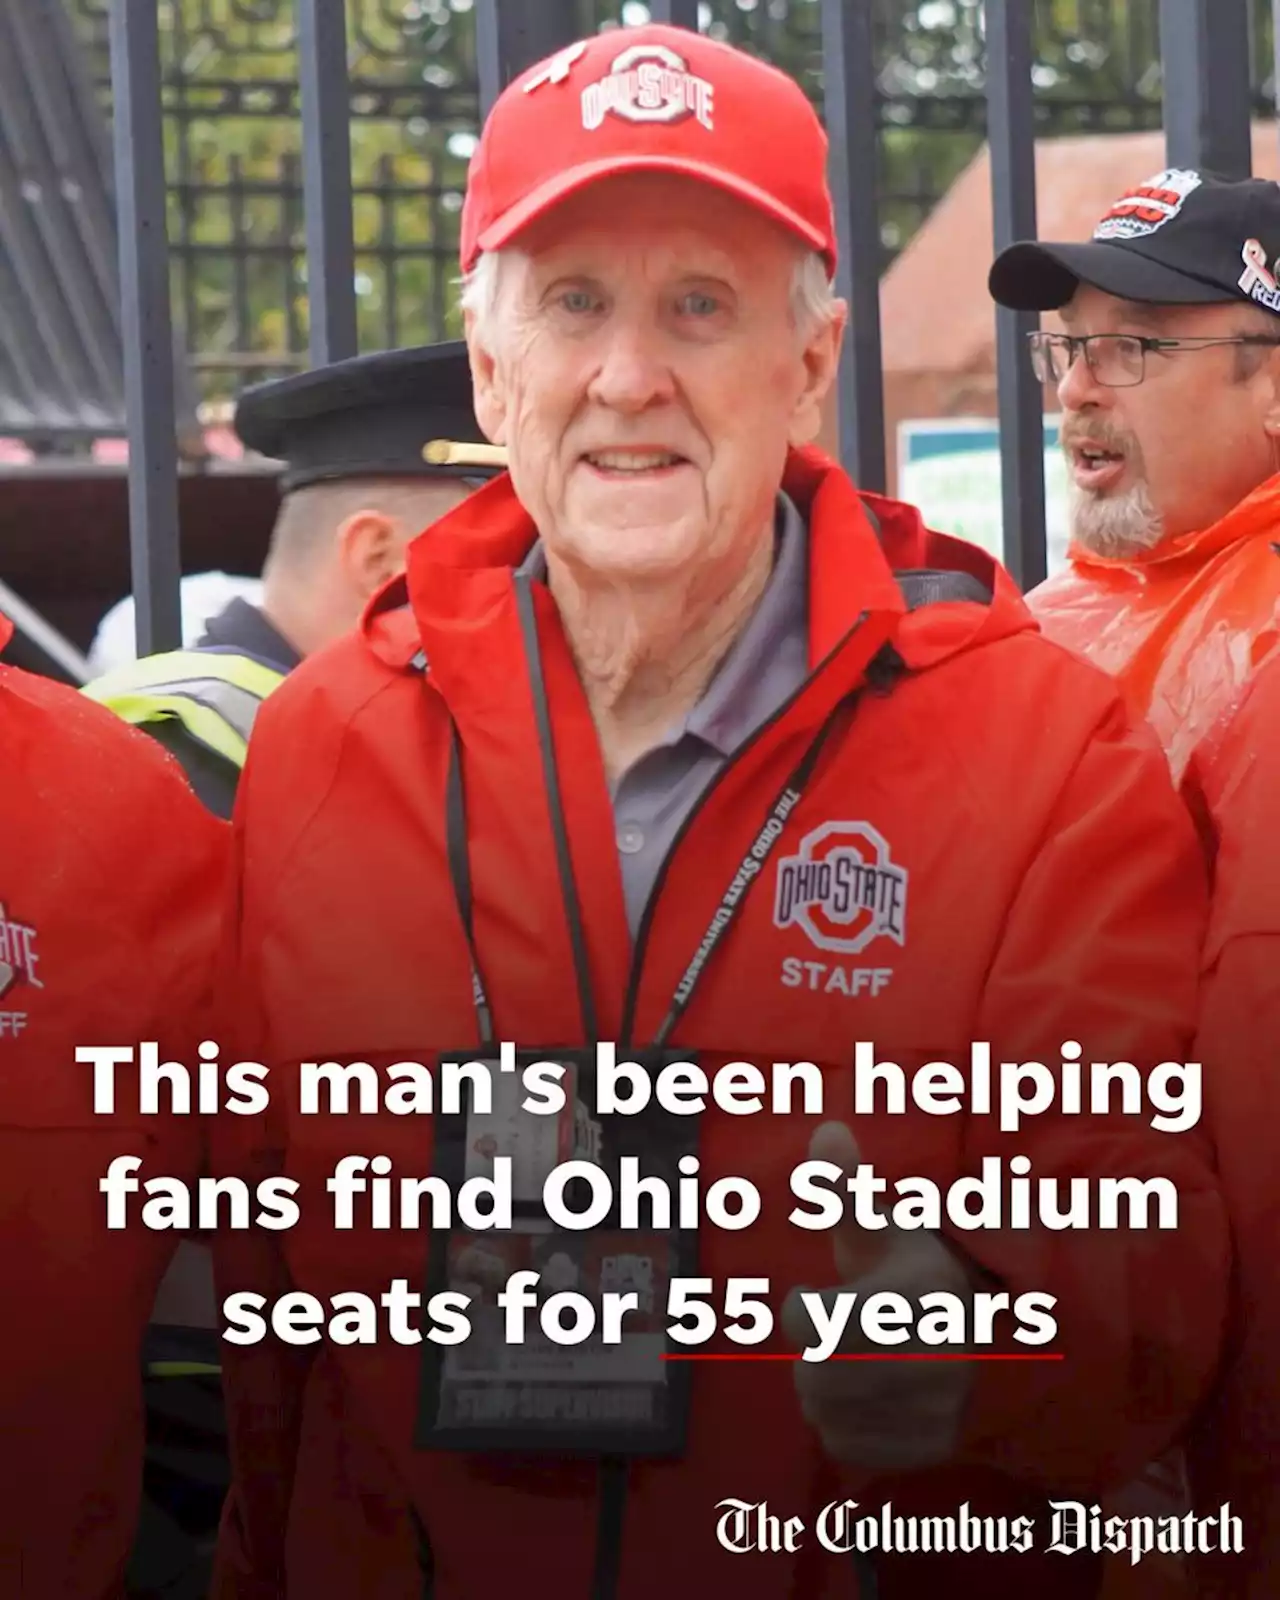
1115	527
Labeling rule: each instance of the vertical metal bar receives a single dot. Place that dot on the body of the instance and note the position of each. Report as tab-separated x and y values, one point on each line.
190	194
1204	49
1011	134
286	233
241	239
512	34
440	262
490	67
389	212
146	324
326	178
849	104
1275	52
679	13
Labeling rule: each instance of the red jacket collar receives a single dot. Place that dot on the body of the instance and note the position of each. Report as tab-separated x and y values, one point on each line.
6	630
459	572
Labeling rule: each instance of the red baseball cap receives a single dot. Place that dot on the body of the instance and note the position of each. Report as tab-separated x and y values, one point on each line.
650	99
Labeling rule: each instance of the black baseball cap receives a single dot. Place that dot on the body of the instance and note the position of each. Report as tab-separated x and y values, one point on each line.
1180	238
393	413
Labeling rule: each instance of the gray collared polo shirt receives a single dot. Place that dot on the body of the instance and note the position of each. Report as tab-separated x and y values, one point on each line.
766	664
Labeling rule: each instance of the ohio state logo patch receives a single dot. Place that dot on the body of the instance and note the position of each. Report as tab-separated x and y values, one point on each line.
1141	210
18	958
18	963
842	888
648	83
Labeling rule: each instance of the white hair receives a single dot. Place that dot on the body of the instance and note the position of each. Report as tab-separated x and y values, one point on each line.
813	300
1117	527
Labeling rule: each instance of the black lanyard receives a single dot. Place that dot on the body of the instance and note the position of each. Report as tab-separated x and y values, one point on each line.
613	1471
726	914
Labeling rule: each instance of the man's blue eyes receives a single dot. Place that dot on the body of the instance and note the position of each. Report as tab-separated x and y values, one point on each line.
696	305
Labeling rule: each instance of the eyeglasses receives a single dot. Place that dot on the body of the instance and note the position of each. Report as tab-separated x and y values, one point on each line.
1116	360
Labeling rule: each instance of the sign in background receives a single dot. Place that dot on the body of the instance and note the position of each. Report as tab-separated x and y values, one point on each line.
950	468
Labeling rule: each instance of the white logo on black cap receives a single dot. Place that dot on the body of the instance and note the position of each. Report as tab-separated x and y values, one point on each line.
1258	280
1141	210
648	83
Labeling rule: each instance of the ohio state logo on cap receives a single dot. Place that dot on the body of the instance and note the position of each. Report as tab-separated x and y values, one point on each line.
647	98
648	83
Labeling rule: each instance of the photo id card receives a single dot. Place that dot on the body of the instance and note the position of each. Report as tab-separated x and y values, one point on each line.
614	1396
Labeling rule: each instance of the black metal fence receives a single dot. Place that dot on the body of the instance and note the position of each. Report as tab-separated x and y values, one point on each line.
232	96
308	159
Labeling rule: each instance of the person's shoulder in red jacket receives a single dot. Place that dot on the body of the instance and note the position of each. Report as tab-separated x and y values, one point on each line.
110	884
92	790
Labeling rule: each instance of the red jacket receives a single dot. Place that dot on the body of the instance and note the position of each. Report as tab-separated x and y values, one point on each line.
1054	891
1236	1449
110	879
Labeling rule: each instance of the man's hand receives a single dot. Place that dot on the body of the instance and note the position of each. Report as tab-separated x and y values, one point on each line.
886	1415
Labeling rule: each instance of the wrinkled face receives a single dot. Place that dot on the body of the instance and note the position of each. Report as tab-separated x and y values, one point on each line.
1176	452
644	366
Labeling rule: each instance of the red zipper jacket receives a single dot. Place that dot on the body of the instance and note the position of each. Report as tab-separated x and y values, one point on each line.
110	884
1054	891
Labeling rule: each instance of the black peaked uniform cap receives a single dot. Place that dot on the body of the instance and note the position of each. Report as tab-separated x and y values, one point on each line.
394	413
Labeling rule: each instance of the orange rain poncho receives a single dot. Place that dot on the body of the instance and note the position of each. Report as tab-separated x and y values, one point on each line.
1181	628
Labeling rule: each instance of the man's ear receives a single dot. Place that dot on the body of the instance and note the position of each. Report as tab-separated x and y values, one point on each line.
1271	416
486	385
821	360
371	550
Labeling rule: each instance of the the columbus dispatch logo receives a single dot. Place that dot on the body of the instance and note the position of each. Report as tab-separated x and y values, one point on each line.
843	889
1069	1528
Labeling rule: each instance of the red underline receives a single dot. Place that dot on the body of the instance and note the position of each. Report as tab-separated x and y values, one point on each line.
757	1355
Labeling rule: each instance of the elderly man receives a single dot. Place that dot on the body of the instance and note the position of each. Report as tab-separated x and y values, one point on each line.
671	739
1169	380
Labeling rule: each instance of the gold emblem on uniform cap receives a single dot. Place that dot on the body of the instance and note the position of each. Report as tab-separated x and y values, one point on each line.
449	453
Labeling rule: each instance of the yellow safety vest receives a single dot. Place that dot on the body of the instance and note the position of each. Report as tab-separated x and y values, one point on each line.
214	695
